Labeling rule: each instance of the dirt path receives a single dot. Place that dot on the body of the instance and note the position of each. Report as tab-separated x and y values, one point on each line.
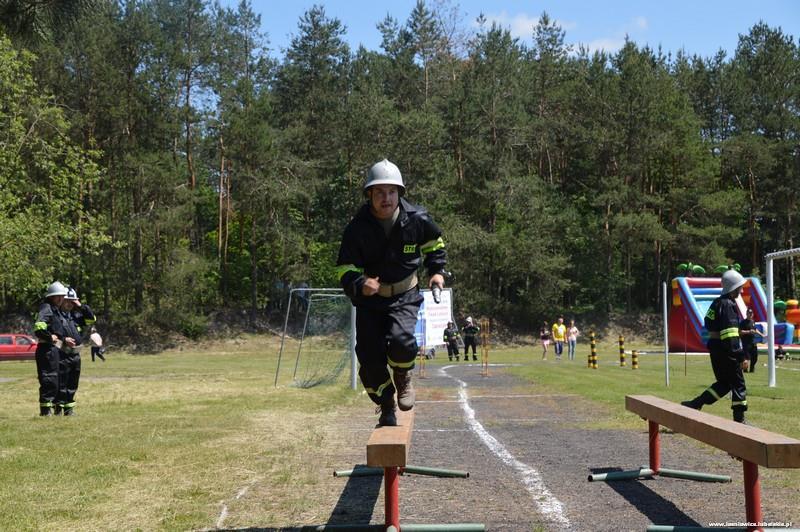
529	455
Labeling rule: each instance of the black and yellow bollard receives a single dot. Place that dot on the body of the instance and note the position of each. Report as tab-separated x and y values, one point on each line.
634	359
593	355
621	350
591	351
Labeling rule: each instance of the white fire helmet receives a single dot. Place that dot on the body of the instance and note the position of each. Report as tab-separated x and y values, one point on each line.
731	280
385	172
56	289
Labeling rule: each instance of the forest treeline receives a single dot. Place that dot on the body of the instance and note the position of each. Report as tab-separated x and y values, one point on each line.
162	158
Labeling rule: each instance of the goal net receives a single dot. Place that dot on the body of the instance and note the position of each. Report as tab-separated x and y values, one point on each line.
316	340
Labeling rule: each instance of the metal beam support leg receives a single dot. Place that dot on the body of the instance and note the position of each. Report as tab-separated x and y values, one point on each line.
752	493
392	496
655	446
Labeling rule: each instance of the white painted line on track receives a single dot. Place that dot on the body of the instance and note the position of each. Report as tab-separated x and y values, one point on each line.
549	506
517	396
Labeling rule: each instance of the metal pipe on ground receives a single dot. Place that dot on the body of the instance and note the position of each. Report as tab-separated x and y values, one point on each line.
693	475
452	527
433	472
360	472
642	472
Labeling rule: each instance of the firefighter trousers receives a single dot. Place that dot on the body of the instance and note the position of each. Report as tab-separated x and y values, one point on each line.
728	372
385	336
69	374
470	341
47	372
452	350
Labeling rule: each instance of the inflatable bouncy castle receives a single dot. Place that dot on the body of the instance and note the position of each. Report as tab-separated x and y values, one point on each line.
691	297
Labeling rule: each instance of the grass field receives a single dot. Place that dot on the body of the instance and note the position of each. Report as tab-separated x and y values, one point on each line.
161	441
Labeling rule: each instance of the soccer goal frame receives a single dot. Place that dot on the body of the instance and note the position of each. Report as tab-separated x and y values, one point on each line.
785	254
321	293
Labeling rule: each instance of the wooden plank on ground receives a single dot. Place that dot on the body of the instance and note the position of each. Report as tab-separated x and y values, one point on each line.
755	445
389	446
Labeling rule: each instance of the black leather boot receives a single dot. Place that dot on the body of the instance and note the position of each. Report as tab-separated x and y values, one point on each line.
692	404
388	418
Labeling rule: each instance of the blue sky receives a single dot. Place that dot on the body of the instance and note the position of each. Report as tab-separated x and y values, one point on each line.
699	27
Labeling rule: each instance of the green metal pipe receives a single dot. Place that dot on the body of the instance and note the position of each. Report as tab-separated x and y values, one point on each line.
348	528
433	472
454	527
693	475
623	475
360	472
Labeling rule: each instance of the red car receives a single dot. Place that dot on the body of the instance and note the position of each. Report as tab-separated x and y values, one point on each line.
17	346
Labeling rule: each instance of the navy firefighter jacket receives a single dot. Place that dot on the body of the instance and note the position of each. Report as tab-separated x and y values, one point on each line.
722	323
49	321
367	251
78	319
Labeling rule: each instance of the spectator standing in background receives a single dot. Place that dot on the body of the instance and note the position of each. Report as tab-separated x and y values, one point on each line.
559	336
544	337
97	344
572	339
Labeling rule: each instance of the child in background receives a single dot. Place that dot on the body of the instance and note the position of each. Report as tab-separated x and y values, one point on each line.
544	336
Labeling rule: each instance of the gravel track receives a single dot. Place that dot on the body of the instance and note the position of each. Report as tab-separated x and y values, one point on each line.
529	455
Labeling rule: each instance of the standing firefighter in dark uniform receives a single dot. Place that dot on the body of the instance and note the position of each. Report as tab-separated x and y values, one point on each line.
748	332
49	329
78	318
470	338
381	251
450	339
728	359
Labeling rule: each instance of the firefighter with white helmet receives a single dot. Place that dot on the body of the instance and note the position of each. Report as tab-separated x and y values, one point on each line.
728	359
470	331
77	318
50	331
380	253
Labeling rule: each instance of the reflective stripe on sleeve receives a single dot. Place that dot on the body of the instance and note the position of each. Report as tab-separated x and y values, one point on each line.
433	245
40	326
344	268
730	332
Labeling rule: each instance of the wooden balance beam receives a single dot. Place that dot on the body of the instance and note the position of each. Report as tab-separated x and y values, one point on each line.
388	447
752	445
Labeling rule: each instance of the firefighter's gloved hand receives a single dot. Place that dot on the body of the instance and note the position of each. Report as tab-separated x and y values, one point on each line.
436	284
436	290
